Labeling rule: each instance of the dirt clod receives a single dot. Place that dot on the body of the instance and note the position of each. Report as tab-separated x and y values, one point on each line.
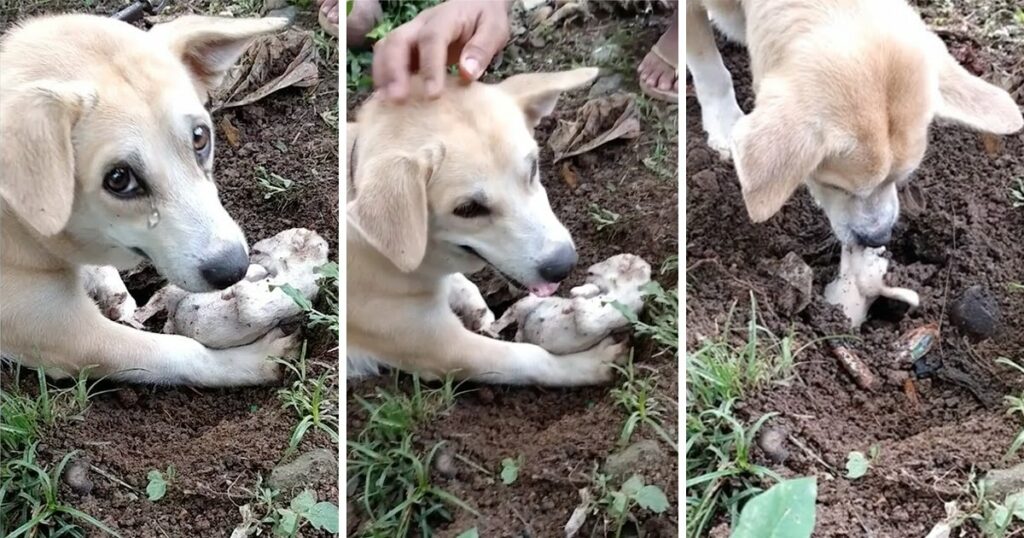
307	468
976	313
444	463
76	476
629	460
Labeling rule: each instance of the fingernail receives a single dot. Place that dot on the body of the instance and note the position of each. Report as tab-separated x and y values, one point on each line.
471	66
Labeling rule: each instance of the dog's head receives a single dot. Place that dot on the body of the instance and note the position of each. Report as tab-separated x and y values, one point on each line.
108	149
850	120
453	184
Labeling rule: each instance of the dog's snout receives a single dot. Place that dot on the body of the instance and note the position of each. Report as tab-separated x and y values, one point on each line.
557	266
876	239
226	267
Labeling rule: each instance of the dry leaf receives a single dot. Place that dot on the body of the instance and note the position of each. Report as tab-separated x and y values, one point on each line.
569	176
598	121
272	63
993	144
230	131
579	515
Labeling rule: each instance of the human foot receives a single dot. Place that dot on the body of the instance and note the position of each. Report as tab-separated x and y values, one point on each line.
364	16
658	72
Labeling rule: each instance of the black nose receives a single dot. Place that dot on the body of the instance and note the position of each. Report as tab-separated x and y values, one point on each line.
225	267
557	267
876	239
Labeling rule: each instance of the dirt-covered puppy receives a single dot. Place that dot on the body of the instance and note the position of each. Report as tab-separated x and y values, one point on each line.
845	93
447	186
570	324
107	160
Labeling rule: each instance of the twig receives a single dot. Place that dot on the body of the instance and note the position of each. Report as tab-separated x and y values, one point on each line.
810	453
112	478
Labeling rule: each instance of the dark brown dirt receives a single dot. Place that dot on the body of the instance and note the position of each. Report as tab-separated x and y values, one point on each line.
218	441
967	234
562	436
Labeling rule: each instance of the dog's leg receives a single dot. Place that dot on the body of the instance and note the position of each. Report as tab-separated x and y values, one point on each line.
74	336
105	287
465	300
711	80
468	355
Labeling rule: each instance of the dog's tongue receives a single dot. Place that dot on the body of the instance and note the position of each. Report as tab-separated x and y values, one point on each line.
544	290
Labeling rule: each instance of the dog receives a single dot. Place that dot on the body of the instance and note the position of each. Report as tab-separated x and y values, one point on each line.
845	93
446	187
107	160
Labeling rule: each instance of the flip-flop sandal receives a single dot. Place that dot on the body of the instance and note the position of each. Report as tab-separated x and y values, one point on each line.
671	96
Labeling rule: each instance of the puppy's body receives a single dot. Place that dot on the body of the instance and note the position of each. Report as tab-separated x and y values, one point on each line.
846	91
107	158
446	187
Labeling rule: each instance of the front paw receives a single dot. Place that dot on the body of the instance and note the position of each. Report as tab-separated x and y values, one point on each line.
605	355
719	122
259	358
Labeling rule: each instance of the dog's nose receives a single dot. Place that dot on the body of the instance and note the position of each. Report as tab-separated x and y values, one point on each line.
226	267
557	267
875	239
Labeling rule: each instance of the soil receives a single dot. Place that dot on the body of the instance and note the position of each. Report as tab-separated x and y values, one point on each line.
959	231
218	441
563	436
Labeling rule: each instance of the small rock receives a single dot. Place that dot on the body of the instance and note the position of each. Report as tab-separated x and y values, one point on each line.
307	469
127	396
773	441
626	462
485	395
605	85
605	53
976	313
708	181
444	464
800	280
76	475
1001	482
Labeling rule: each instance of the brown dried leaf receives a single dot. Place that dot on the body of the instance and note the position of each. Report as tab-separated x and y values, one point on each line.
231	132
993	144
271	64
598	121
569	176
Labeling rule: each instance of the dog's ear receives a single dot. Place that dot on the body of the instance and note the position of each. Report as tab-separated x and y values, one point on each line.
774	150
37	159
209	46
967	99
391	207
537	93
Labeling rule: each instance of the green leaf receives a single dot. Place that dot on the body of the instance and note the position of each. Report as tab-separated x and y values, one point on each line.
856	465
157	487
509	471
329	270
287	524
303	501
652	498
296	296
618	507
786	510
324	516
471	533
633	485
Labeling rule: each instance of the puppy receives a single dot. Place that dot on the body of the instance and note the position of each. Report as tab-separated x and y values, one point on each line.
106	160
448	186
846	90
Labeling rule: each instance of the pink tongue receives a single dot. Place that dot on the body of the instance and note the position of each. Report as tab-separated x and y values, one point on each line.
544	290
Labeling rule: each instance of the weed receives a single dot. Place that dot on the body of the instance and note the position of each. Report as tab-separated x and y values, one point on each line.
1017	193
274	186
1015	406
510	470
619	504
660	322
158	482
286	522
857	463
395	14
604	219
992	518
328	282
389	474
311	399
29	492
666	136
720	473
636	395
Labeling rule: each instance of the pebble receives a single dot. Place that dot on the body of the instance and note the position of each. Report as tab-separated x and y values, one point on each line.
320	465
1001	482
605	85
976	313
773	441
629	460
76	475
444	464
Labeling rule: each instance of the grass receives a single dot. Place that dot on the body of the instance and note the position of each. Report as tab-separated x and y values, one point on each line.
267	511
660	320
30	503
638	397
720	473
616	506
1017	193
314	400
992	518
664	119
388	473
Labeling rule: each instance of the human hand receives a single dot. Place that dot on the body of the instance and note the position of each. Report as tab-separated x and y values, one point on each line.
467	32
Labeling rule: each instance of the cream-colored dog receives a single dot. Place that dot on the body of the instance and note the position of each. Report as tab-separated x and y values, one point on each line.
846	90
450	186
107	159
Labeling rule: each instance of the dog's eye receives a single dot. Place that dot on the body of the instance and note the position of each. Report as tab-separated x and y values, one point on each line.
200	138
471	209
121	182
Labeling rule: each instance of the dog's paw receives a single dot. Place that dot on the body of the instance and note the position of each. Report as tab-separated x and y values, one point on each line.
257	361
719	122
604	355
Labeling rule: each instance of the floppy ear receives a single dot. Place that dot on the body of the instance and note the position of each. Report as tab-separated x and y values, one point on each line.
37	160
391	204
209	46
537	93
967	99
774	152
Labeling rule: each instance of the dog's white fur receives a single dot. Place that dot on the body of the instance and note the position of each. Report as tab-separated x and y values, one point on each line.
846	90
412	167
80	95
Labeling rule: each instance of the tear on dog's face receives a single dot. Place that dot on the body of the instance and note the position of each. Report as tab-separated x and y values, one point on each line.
453	185
852	124
108	149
